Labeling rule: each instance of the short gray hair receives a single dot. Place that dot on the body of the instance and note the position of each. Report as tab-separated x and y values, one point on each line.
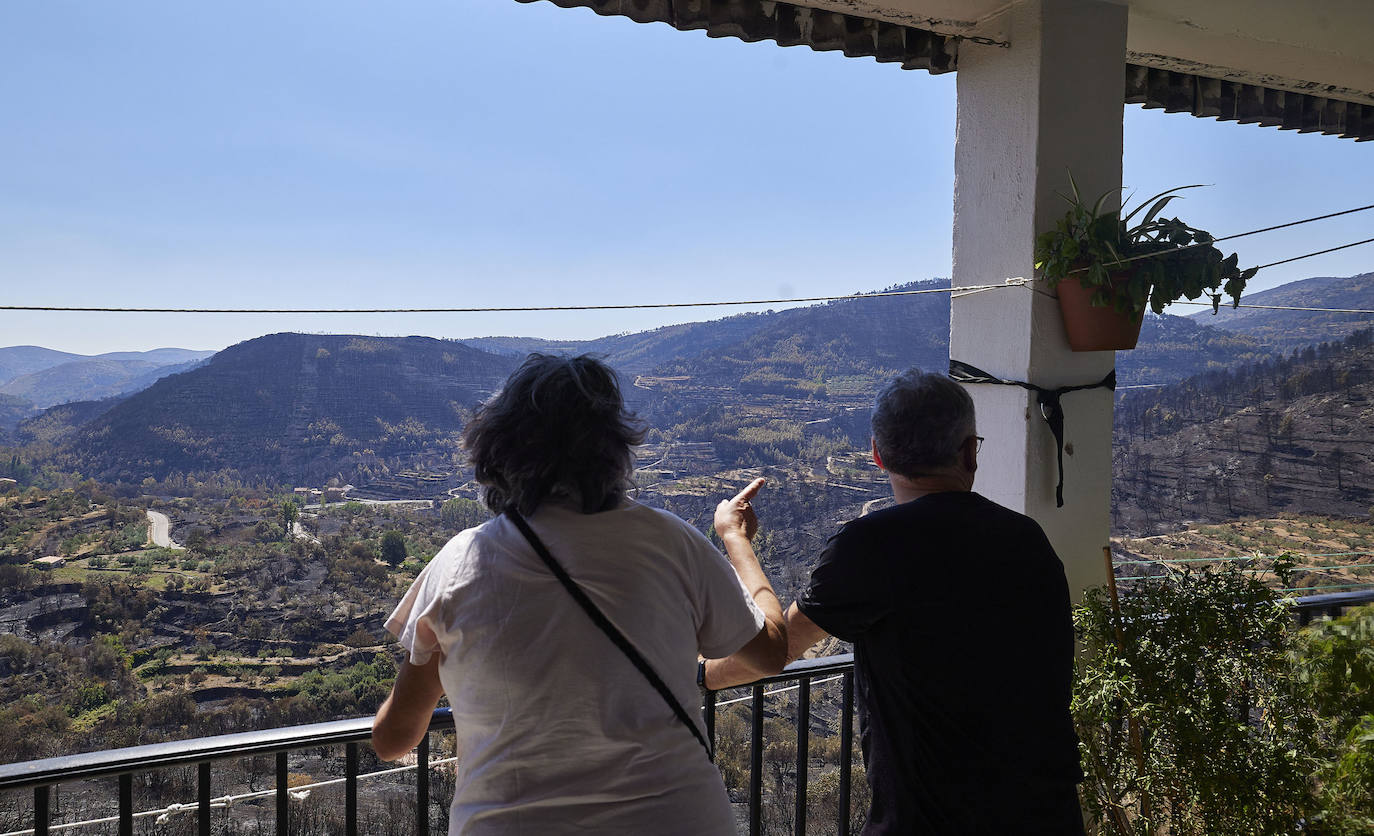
920	420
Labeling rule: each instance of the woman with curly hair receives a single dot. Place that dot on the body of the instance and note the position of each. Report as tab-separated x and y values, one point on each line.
557	729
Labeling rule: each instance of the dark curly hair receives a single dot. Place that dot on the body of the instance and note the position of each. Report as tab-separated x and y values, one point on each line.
559	428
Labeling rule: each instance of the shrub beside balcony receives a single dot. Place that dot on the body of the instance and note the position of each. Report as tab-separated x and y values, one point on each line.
1203	709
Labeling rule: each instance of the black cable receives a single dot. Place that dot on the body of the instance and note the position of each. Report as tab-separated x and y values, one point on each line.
1143	256
511	309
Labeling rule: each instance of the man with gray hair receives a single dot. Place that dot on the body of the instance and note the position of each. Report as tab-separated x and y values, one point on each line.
958	611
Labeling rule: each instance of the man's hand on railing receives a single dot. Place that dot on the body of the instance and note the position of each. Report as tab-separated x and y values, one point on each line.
802	633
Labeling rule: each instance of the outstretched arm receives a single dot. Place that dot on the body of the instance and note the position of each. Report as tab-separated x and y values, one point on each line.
404	717
802	633
736	524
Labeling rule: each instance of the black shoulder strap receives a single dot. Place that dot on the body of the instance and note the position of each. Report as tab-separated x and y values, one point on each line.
600	619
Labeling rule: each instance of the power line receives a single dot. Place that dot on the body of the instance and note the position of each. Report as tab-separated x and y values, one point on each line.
1212	241
1237	557
1296	223
777	691
1262	267
299	793
956	291
1318	252
1329	586
1016	282
1282	308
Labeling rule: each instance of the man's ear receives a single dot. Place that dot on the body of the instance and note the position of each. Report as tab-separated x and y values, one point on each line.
877	459
969	452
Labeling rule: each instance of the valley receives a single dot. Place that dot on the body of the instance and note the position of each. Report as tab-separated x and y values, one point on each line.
270	613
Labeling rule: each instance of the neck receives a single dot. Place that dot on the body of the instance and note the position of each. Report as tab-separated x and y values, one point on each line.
905	489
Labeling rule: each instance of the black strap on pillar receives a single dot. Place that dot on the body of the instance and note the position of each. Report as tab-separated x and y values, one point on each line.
1050	408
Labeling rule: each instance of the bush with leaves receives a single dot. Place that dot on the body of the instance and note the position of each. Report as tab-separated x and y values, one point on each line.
1189	717
1334	662
460	513
393	548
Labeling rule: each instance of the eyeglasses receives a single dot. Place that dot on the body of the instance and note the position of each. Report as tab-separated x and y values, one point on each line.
978	448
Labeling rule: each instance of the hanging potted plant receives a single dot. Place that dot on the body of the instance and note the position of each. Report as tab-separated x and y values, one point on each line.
1107	270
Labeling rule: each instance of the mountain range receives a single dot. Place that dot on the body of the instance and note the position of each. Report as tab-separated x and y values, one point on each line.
33	378
1283	331
1293	434
297	407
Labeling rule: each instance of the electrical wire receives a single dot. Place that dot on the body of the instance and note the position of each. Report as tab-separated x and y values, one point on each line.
298	793
1280	308
1315	570
1331	586
1238	557
1318	252
957	291
777	691
1208	243
1015	282
1295	223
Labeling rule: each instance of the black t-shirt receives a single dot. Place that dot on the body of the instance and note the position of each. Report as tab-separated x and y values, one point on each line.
958	611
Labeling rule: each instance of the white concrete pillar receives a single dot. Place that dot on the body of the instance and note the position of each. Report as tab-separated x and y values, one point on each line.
1028	114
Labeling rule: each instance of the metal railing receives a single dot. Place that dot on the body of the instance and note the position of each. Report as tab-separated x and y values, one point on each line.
40	776
801	672
1331	604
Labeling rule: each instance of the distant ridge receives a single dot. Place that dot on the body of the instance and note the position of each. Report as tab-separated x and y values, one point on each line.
42	377
18	360
752	388
94	378
295	407
1284	331
639	352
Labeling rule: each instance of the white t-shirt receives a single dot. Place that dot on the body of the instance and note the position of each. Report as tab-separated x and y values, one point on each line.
557	730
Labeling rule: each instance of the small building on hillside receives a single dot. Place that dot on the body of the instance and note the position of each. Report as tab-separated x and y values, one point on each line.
49	562
7	484
337	494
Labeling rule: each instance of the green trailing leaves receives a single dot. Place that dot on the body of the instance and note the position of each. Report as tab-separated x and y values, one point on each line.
1106	252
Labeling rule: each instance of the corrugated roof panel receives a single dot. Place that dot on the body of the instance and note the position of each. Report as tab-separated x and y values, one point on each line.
789	25
1234	101
918	49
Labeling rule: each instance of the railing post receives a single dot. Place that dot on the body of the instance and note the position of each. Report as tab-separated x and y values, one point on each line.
803	754
126	804
283	794
708	709
422	786
846	744
351	789
203	796
41	813
756	764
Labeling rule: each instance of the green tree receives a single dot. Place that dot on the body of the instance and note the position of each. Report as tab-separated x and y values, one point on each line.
393	548
461	513
289	514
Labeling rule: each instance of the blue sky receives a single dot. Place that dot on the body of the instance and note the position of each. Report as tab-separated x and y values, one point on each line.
486	152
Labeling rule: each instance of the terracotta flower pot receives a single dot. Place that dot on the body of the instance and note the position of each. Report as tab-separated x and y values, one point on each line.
1091	328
